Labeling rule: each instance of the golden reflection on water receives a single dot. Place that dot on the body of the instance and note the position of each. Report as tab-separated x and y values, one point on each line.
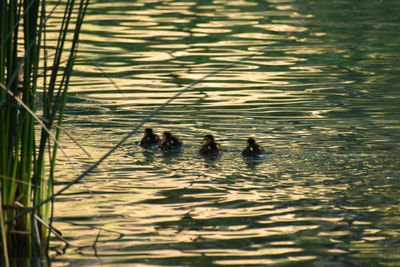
281	28
291	259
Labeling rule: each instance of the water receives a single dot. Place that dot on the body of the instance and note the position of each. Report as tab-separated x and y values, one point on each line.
322	99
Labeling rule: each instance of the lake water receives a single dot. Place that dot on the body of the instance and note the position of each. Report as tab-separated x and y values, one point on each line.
322	98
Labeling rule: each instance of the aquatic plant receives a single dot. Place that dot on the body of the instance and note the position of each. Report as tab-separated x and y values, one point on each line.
28	141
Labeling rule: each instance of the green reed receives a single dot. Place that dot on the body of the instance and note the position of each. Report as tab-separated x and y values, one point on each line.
29	144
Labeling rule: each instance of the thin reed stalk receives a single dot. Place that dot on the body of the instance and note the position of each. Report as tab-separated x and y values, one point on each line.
26	174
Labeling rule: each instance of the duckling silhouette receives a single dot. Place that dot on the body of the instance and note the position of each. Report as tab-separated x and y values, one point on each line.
209	146
170	142
252	148
149	139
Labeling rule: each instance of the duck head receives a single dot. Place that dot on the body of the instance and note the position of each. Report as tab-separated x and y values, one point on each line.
148	131
167	135
251	141
208	138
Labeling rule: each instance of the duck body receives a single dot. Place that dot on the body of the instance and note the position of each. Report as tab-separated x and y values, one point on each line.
170	142
252	148
210	147
150	139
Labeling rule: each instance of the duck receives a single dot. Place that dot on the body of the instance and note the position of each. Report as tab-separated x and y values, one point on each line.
170	142
149	139
252	148
209	146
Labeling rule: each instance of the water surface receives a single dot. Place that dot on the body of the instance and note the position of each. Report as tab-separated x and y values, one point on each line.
322	99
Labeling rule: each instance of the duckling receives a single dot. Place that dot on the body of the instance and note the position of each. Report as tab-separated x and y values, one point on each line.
209	146
170	142
149	139
252	148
